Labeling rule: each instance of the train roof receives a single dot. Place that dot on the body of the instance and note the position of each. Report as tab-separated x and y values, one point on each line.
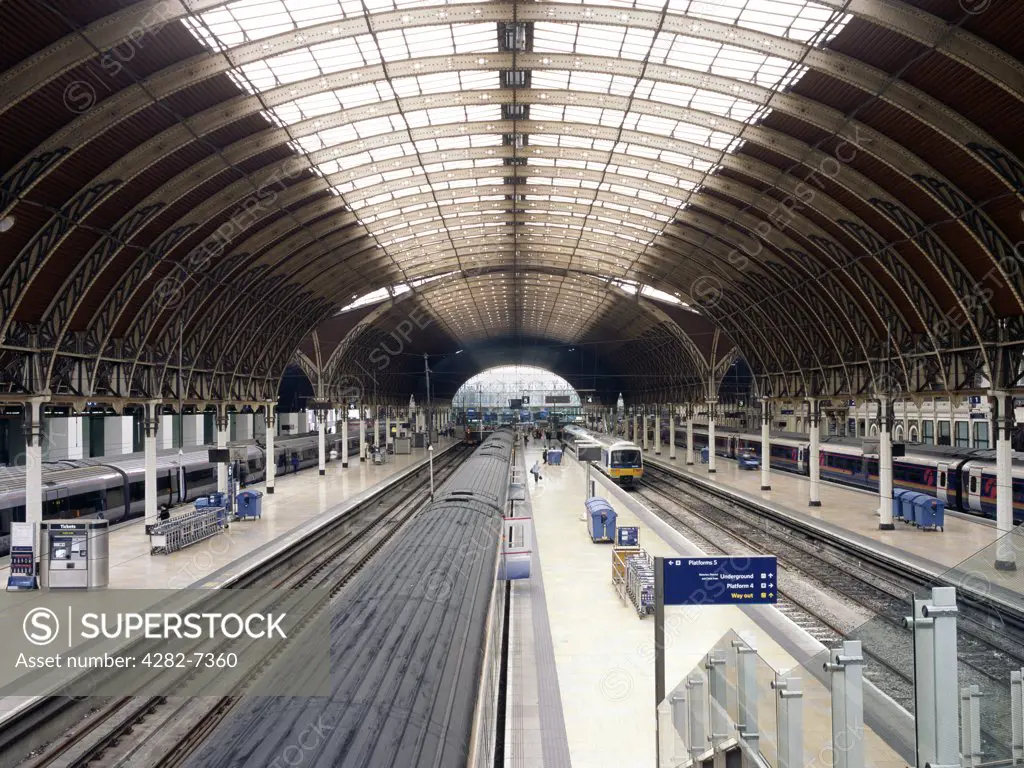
14	480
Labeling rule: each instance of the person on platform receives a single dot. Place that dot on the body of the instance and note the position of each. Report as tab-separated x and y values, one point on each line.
535	471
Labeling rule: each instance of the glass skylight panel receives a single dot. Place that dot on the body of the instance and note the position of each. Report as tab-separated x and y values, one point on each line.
572	149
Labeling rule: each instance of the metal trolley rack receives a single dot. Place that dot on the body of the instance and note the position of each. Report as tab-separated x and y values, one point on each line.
633	577
186	529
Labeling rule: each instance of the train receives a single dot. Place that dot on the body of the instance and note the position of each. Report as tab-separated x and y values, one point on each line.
621	460
963	478
114	488
408	636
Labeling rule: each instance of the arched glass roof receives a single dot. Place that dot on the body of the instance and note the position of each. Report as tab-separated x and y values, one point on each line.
494	387
569	139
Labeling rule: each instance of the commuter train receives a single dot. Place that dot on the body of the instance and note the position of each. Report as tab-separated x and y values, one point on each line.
115	487
431	593
622	461
964	478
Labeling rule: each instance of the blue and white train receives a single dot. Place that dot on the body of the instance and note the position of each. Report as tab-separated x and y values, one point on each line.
114	488
964	478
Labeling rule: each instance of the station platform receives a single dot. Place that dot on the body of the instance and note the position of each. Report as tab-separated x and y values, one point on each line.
604	653
298	499
300	504
964	551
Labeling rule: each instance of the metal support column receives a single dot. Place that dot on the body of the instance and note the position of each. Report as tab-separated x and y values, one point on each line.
344	435
221	422
715	664
271	457
766	444
672	432
1002	418
1017	715
943	611
814	455
689	434
924	680
696	732
846	665
33	425
150	425
970	726
362	432
885	420
790	722
711	435
680	707
320	411
657	431
746	681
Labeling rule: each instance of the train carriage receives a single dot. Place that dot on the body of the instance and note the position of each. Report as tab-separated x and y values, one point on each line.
963	478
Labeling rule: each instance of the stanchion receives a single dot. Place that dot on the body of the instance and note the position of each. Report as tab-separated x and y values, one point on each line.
746	661
846	665
790	722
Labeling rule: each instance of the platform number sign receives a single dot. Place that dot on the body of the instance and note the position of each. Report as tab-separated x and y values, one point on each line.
721	580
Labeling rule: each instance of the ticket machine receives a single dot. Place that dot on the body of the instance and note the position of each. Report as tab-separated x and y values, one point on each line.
74	554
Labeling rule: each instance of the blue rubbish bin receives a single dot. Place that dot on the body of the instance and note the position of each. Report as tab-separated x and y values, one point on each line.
909	512
897	504
250	504
929	512
554	456
704	455
600	520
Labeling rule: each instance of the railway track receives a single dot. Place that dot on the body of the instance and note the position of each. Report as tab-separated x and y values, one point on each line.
161	731
816	575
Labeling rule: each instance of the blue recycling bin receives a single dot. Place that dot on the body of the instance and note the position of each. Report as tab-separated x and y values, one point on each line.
250	504
897	504
554	457
600	520
704	455
929	512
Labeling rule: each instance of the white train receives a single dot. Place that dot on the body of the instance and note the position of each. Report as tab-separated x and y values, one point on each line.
620	460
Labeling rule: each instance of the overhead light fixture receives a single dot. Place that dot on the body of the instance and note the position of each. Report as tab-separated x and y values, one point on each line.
458	351
6	223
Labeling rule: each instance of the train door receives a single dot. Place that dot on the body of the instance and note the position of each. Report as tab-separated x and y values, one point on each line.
56	503
801	460
733	440
974	488
942	482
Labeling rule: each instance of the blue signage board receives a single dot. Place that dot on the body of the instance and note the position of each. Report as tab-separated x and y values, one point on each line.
627	536
720	580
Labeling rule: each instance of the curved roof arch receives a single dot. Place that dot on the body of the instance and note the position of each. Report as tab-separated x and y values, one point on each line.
834	185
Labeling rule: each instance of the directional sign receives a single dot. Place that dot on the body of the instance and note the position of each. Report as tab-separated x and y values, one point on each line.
720	580
627	536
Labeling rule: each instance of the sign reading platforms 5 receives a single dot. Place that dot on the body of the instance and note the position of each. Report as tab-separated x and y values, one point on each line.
720	580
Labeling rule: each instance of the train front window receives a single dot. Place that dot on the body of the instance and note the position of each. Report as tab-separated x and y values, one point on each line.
628	458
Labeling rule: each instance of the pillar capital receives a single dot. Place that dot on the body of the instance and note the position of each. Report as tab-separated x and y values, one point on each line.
33	420
1003	421
320	410
814	411
269	412
151	418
